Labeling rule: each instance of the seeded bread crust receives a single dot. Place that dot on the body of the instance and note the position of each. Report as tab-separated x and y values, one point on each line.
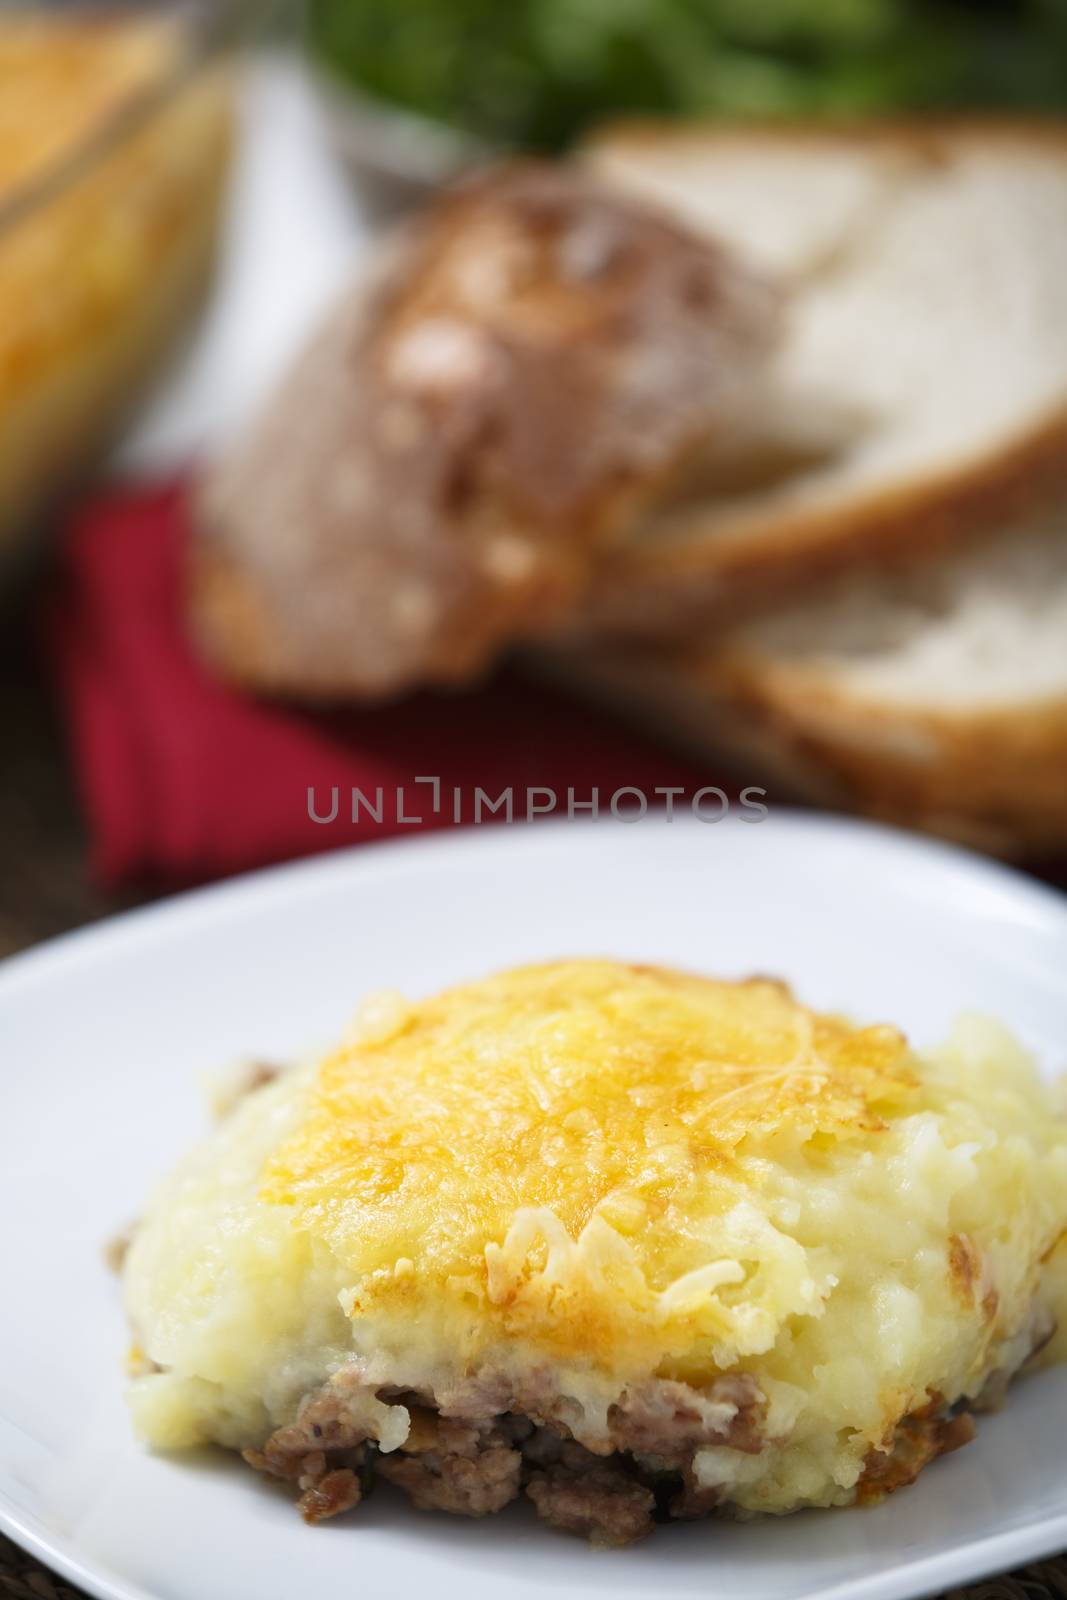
529	363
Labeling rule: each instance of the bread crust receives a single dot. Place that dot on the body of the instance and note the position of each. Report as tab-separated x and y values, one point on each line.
665	587
680	576
995	779
528	365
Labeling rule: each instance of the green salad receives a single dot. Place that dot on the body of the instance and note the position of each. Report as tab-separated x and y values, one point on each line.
536	72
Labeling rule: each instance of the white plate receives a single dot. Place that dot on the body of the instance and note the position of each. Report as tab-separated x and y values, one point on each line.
108	1032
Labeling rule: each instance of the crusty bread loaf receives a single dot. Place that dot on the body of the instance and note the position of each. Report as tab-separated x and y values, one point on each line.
935	697
920	395
528	364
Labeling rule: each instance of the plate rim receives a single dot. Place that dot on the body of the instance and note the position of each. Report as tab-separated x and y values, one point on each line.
914	1580
1048	902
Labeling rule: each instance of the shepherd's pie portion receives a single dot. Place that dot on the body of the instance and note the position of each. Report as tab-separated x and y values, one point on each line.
633	1242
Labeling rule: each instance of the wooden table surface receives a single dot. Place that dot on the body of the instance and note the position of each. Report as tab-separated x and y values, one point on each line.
45	890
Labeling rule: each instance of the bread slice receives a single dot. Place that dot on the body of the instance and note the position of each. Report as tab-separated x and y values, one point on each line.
532	360
935	697
921	392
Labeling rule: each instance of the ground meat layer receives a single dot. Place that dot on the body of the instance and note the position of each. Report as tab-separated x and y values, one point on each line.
474	1448
611	1489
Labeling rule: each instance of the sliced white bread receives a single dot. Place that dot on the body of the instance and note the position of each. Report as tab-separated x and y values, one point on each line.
936	698
921	395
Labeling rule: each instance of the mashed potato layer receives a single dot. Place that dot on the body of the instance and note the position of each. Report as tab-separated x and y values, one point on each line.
690	1226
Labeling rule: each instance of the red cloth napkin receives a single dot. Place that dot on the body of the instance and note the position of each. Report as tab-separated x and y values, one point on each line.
184	779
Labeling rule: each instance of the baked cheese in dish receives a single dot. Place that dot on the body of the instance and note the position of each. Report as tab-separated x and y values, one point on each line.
635	1243
114	145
